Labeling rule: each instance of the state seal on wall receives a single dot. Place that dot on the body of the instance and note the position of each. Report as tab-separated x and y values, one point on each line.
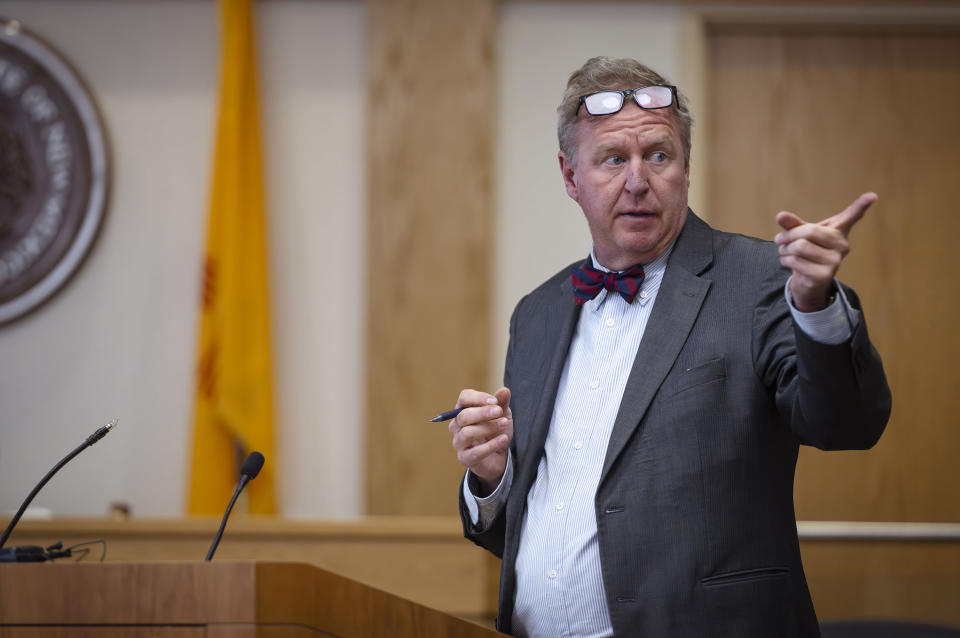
53	171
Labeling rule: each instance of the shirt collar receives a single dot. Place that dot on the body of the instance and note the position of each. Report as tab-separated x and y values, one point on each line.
654	269
652	275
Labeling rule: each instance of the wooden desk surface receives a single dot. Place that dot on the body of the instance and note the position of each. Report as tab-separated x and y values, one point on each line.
255	599
426	559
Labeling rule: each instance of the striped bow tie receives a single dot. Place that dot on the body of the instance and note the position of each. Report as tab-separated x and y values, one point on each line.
588	282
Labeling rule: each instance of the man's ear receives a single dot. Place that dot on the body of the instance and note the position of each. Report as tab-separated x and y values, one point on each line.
568	170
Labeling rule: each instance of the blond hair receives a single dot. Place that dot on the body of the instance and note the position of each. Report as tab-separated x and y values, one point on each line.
603	73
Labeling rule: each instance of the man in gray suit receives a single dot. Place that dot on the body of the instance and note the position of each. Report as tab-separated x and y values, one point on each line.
635	474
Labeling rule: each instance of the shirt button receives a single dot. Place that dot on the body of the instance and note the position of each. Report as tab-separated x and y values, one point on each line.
559	505
552	573
578	445
610	322
643	294
594	384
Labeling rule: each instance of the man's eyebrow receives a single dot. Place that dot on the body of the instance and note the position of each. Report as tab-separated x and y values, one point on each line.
659	141
663	140
608	147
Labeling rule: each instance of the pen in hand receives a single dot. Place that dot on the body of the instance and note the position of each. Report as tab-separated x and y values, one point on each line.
446	416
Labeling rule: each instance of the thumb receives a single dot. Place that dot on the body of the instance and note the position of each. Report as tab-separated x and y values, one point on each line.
503	398
788	220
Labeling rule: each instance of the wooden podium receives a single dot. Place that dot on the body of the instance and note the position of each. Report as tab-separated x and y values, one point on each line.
216	599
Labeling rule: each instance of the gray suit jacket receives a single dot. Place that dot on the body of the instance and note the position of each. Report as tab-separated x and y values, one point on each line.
694	508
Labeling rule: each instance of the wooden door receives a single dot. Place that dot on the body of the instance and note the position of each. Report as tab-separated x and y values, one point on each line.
805	120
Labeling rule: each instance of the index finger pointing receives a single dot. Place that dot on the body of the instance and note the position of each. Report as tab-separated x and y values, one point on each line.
844	220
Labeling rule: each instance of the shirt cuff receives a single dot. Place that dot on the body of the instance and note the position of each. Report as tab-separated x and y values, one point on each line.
832	325
484	509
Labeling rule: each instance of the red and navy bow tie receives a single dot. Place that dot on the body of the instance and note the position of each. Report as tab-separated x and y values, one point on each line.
588	282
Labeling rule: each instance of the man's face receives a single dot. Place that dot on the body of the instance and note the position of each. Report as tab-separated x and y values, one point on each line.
631	181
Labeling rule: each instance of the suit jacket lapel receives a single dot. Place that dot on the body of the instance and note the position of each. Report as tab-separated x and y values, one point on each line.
560	317
678	303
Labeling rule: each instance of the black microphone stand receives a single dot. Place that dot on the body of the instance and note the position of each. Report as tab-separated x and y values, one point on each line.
32	553
248	471
223	524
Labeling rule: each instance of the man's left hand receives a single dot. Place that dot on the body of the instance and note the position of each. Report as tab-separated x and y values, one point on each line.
813	251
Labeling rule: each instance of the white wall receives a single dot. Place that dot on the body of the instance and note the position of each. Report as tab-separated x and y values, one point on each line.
117	341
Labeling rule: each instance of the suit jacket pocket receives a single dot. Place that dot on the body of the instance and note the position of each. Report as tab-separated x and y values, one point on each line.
711	370
753	603
744	576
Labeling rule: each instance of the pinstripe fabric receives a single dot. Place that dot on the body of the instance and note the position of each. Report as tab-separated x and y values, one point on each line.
559	585
831	325
690	467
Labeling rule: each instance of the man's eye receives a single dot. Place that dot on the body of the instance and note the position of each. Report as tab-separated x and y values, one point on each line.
614	160
658	156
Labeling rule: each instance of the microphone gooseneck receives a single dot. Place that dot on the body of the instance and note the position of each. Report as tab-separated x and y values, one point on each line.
248	471
90	440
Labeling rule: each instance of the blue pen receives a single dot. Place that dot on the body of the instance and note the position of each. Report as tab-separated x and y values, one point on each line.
446	416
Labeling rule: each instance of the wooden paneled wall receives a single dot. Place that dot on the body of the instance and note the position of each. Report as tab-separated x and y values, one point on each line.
806	120
430	126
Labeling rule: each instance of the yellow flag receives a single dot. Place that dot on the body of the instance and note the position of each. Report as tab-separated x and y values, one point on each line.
233	412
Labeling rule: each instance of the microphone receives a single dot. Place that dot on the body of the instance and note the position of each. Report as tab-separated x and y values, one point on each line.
248	471
31	553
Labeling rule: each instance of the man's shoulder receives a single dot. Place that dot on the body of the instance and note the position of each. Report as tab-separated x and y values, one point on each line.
728	250
745	262
558	279
731	241
556	289
737	248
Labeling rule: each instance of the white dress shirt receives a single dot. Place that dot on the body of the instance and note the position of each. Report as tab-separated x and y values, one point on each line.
560	589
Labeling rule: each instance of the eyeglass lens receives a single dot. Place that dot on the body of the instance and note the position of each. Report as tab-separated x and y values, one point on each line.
648	97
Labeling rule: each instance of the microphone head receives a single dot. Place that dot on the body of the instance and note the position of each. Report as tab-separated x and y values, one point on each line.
251	467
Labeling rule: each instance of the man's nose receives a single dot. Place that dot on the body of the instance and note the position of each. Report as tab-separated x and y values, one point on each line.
636	178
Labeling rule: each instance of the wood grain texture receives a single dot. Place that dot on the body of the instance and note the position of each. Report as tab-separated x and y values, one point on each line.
430	128
278	598
424	559
72	631
893	580
805	122
126	593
